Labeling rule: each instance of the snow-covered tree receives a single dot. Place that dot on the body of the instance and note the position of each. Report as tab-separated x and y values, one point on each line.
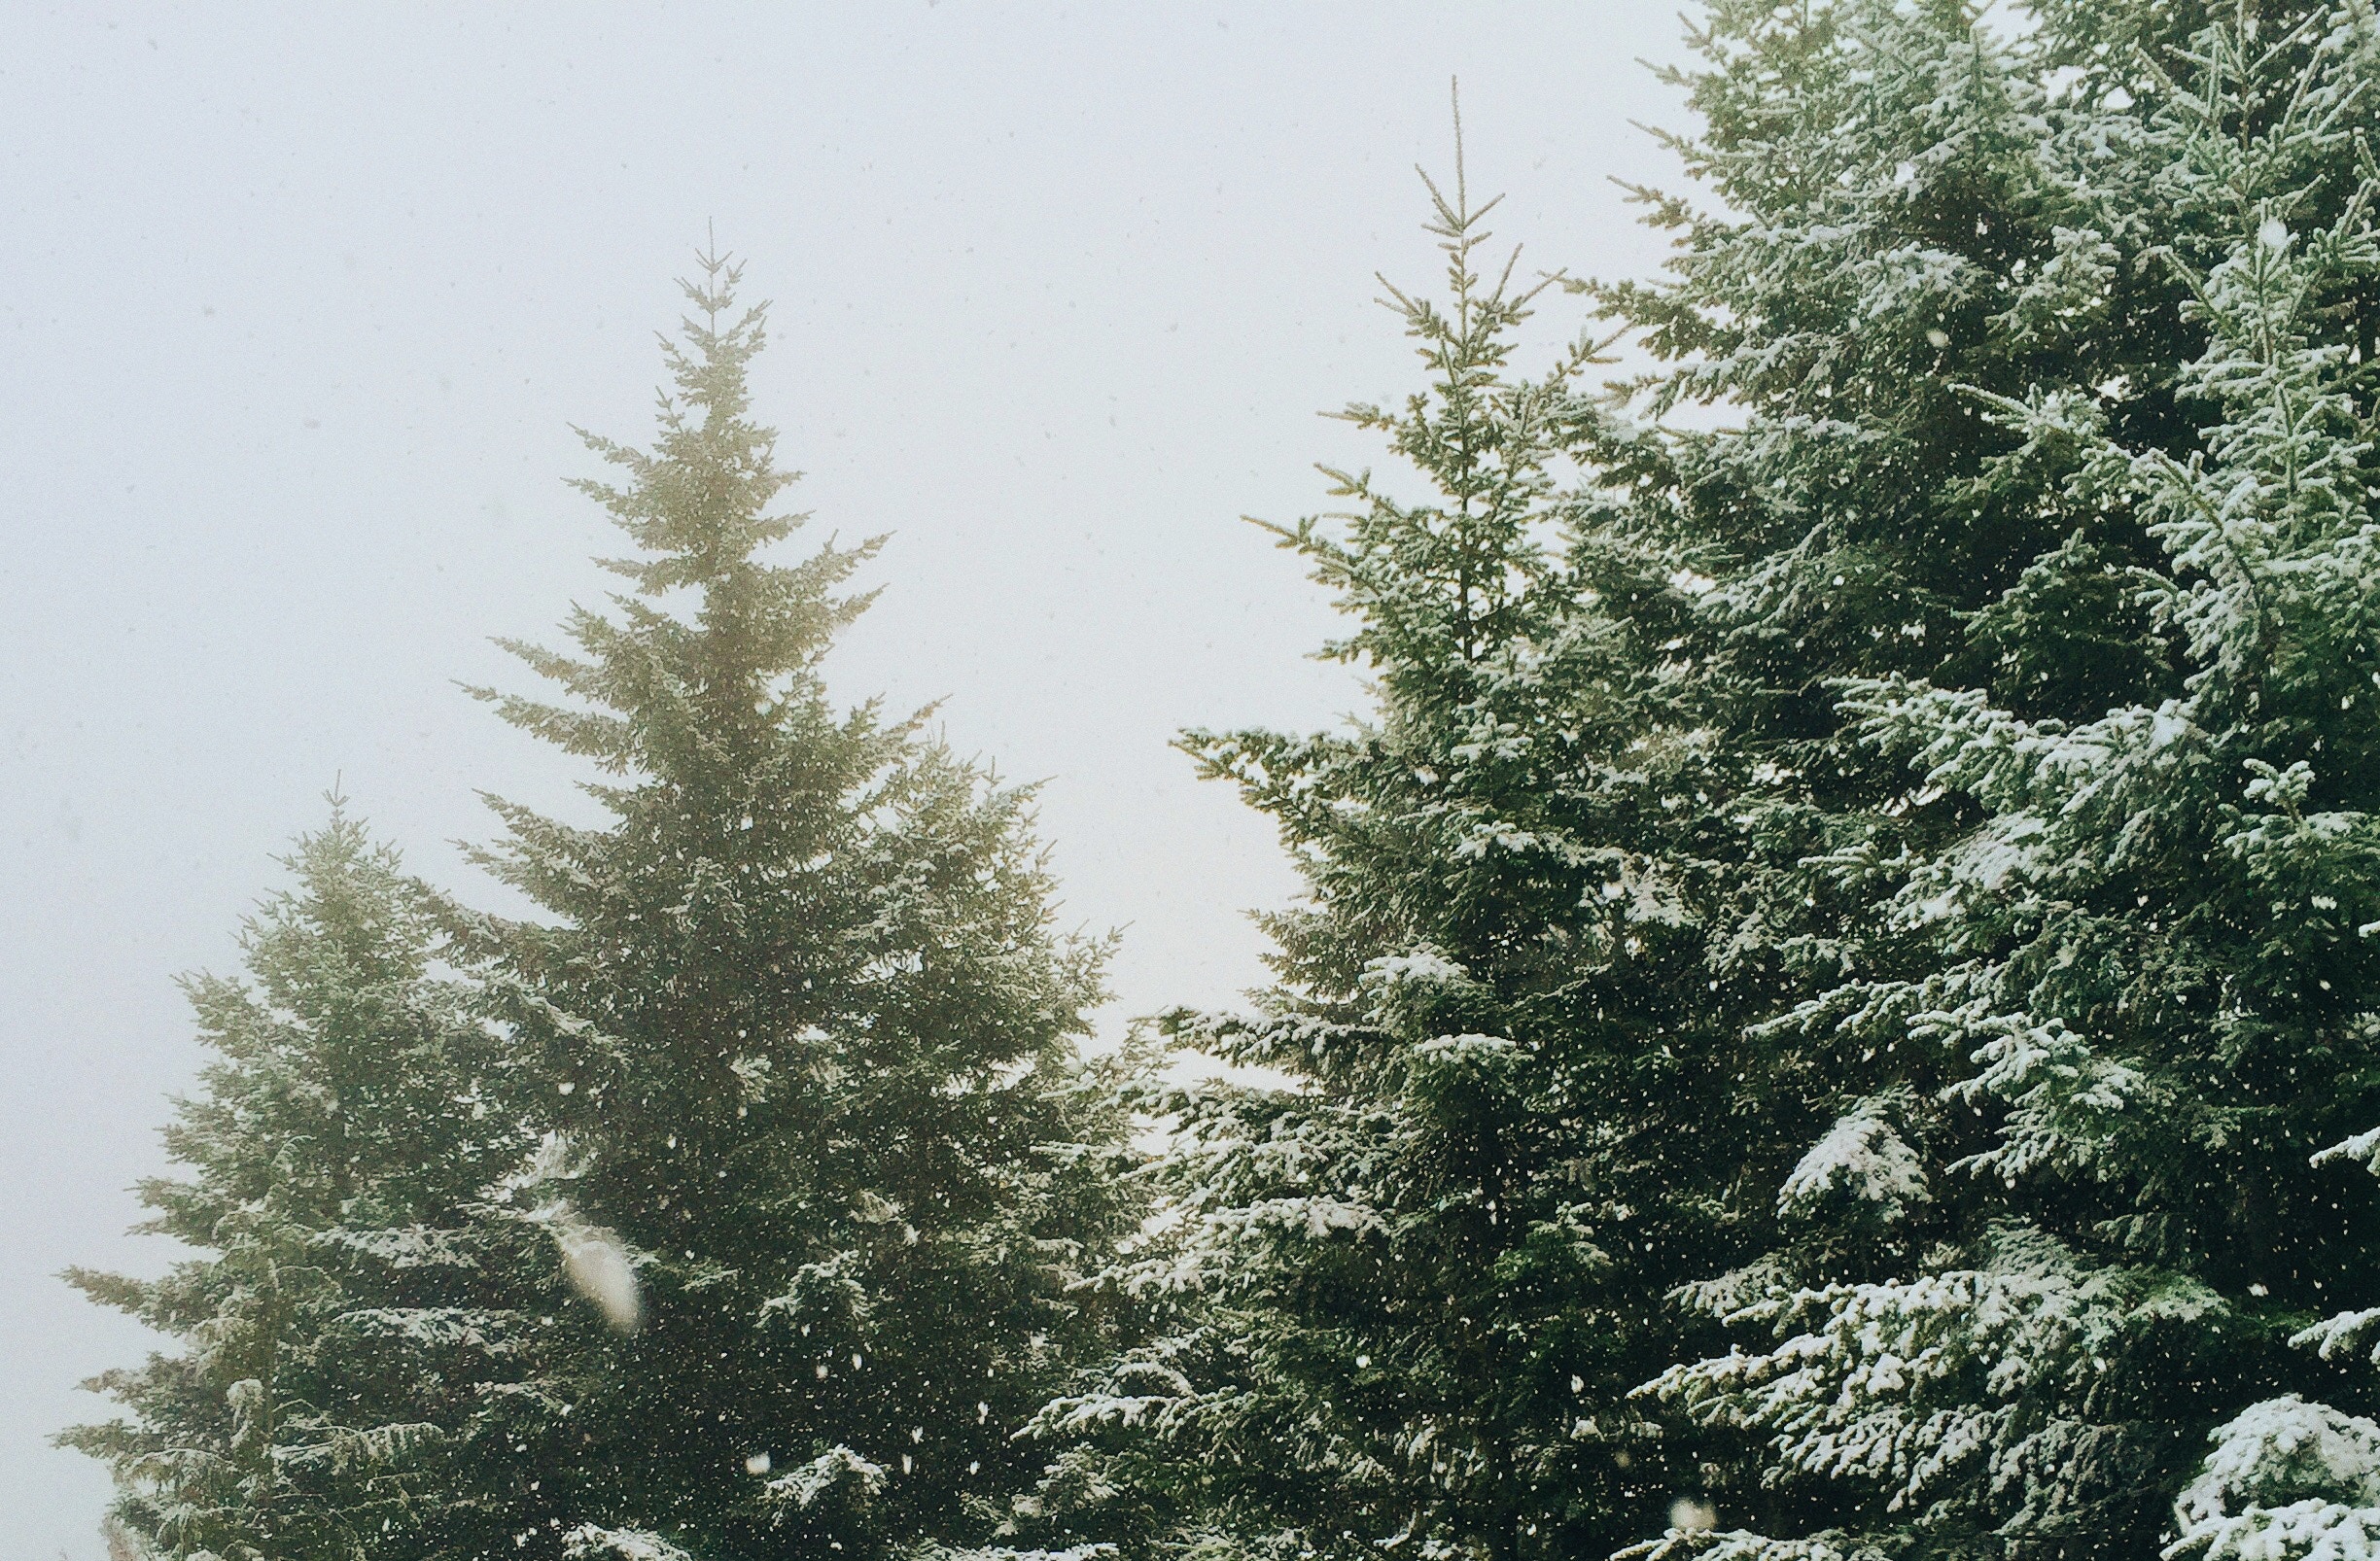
816	1145
2051	524
351	1333
1416	1263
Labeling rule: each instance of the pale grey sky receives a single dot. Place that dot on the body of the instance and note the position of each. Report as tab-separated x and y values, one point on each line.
298	301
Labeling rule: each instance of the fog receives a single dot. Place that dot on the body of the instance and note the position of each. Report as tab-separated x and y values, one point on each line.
302	303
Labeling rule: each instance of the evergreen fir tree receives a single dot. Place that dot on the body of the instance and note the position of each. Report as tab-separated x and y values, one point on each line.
347	1341
816	1143
1407	1291
2047	589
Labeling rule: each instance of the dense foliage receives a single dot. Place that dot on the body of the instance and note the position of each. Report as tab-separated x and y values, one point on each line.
1417	1258
730	1205
810	1104
2046	597
356	1336
1833	1013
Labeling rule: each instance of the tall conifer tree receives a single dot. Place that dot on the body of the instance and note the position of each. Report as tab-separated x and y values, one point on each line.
2046	586
817	1137
352	1333
1412	1288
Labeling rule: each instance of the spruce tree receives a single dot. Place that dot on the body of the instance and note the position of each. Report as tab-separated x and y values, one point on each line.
350	1333
2047	588
813	1130
1405	1291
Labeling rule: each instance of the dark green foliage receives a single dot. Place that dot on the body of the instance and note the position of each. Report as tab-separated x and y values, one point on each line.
2043	610
351	1333
804	1040
1838	973
1410	1285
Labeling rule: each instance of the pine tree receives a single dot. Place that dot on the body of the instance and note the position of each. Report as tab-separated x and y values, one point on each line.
342	1335
815	1139
1407	1290
2051	590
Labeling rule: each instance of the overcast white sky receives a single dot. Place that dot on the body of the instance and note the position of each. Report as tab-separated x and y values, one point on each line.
298	302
